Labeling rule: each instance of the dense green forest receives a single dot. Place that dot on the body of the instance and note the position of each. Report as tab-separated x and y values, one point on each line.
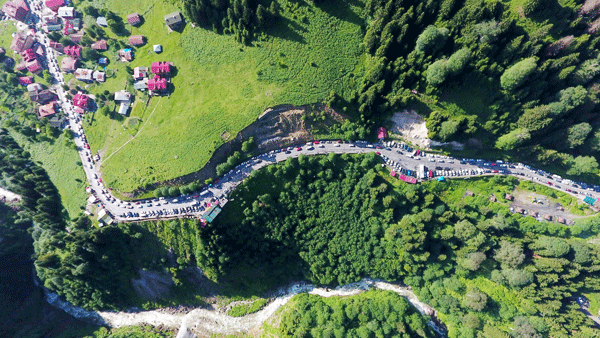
370	314
335	219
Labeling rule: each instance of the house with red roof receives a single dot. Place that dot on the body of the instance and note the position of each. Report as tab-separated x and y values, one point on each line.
80	100
134	19
16	9
382	133
57	46
47	110
140	73
28	54
126	54
25	80
34	66
157	85
21	66
21	42
73	51
54	4
68	64
136	40
100	45
161	68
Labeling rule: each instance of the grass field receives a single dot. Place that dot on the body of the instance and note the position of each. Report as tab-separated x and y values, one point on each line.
61	165
220	85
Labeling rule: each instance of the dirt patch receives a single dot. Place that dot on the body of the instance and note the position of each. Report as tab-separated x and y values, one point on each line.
541	207
152	285
277	127
412	128
225	136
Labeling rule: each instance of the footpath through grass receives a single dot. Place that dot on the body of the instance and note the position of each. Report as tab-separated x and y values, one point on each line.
220	85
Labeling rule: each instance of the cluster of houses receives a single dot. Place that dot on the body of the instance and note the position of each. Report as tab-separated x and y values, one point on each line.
156	85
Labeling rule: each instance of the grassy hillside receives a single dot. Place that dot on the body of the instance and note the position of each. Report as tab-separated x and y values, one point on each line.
220	85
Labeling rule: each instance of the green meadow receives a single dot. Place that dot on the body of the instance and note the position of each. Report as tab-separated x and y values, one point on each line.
219	86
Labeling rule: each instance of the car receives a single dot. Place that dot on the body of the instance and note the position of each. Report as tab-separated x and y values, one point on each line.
378	153
337	145
299	148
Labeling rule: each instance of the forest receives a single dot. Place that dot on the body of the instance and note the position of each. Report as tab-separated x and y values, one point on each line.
335	219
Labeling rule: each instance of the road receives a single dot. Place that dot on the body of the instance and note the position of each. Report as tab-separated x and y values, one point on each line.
194	205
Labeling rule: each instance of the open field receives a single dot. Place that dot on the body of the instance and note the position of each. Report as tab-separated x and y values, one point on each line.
61	164
219	86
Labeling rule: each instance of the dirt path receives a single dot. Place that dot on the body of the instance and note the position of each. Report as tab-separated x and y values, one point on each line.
412	128
205	322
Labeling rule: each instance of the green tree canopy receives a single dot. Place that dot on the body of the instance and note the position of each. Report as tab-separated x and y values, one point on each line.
513	139
432	38
583	165
517	74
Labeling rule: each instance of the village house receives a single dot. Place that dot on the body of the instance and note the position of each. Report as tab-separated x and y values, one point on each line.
54	4
72	25
140	72
68	64
161	68
40	96
519	210
21	66
66	12
157	85
28	54
47	110
101	21
33	87
136	40
141	85
25	80
100	45
52	27
124	98
104	218
532	213
134	19
157	49
16	9
509	197
74	51
492	198
548	218
126	54
39	51
561	220
77	36
382	133
84	75
99	76
34	66
81	100
21	42
174	20
49	16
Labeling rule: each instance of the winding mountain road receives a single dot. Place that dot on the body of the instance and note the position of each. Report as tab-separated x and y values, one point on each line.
194	205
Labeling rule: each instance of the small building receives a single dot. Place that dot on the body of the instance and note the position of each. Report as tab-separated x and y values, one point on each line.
21	42
100	45
211	213
174	20
92	199
16	9
33	87
124	107
99	76
126	54
21	66
68	64
41	96
28	54
55	27
81	100
74	51
47	110
134	19
532	213
519	210
84	75
54	4
76	37
34	66
157	49
509	197
141	85
157	85
66	12
56	120
492	198
101	21
136	40
469	193
104	217
25	80
548	218
561	220
39	51
122	96
382	133
140	72
161	68
393	173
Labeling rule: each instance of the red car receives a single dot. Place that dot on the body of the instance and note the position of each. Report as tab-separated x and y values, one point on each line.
317	142
378	153
298	148
339	141
87	146
195	196
495	171
569	190
549	183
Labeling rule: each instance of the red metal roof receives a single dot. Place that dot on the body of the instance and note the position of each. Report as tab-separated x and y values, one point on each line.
134	19
80	100
72	50
54	4
157	83
25	80
381	133
34	66
136	40
161	67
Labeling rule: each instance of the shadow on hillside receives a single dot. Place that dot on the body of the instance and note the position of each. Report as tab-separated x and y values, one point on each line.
341	10
288	30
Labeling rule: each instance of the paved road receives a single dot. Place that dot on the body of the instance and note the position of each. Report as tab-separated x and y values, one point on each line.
195	204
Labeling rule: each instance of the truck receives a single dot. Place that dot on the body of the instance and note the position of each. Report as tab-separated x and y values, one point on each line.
421	173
